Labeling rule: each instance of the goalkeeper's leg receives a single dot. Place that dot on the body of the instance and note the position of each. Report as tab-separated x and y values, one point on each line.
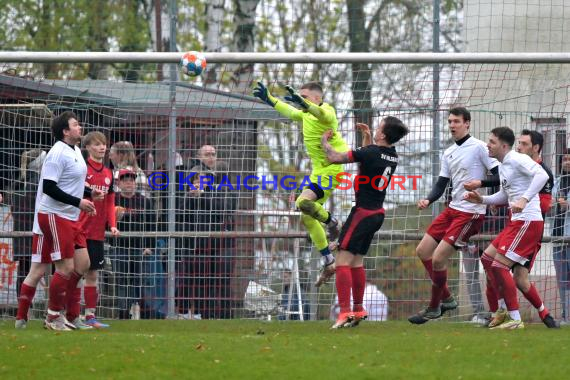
311	201
318	237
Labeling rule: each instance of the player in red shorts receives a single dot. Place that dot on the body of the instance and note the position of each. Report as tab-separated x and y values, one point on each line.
101	178
529	143
377	163
521	180
58	238
465	160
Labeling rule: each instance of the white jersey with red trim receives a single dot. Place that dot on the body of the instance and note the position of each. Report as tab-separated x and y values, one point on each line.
516	173
463	163
66	166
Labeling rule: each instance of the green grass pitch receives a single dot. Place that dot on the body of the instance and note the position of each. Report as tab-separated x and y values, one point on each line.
244	349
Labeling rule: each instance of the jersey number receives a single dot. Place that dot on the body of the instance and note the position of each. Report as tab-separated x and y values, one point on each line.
387	173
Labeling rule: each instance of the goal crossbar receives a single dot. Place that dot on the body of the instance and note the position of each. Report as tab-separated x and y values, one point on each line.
153	57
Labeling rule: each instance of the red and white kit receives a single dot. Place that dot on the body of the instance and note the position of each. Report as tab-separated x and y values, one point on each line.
520	239
462	219
55	232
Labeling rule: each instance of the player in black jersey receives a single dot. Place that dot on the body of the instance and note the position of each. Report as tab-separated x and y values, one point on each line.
377	163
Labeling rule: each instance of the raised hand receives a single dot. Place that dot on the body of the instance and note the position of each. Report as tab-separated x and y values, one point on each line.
363	128
261	92
295	97
366	134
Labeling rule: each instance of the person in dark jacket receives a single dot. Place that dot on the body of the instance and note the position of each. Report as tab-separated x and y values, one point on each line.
135	213
210	209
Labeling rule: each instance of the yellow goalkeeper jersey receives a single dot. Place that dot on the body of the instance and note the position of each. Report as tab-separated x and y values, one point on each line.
313	130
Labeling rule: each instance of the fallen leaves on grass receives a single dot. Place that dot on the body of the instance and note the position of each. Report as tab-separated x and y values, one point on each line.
200	347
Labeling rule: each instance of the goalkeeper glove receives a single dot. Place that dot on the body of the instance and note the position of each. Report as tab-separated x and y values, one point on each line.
296	98
262	93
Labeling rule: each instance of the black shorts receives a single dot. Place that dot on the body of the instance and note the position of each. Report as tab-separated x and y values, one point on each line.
359	229
96	250
530	262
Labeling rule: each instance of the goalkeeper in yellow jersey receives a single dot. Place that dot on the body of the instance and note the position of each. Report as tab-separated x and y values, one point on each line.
317	118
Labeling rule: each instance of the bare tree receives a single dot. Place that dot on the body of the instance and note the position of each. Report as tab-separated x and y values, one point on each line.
214	22
243	41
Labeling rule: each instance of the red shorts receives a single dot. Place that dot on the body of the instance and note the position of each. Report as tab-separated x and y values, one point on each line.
520	241
455	227
59	240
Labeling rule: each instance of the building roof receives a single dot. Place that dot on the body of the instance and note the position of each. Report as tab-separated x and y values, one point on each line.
146	98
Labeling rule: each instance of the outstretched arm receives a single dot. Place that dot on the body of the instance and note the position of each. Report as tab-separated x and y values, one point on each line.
288	111
499	198
325	115
333	156
261	92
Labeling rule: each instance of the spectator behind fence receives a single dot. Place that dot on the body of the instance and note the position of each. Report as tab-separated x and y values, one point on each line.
561	254
122	156
210	209
135	213
207	161
22	199
186	282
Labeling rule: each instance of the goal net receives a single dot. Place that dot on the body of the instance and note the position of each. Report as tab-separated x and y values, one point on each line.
241	251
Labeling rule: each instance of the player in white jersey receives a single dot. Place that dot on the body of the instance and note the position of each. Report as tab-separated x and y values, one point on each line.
521	180
467	159
58	239
529	143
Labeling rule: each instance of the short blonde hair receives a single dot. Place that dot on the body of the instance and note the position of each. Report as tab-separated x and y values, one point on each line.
93	137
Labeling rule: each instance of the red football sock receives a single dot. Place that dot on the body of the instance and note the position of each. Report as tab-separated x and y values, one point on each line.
91	297
429	268
25	300
57	290
492	298
73	296
437	287
343	287
358	287
491	290
535	300
506	285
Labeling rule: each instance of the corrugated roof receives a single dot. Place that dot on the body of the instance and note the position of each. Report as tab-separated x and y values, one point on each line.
150	98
